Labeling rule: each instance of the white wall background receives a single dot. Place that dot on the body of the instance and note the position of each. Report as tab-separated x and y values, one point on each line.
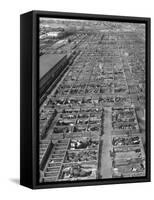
9	101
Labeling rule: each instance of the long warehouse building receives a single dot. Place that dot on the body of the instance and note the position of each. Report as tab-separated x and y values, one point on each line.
51	66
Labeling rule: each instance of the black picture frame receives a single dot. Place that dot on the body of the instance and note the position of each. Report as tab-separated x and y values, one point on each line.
29	99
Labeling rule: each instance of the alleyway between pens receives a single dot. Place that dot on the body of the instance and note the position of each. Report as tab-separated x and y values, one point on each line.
106	162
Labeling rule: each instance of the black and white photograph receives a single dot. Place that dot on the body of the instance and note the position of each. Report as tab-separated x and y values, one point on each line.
76	100
92	92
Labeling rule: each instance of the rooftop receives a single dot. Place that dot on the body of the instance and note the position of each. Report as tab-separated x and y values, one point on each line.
48	61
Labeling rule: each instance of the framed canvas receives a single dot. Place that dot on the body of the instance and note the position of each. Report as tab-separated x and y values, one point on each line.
85	99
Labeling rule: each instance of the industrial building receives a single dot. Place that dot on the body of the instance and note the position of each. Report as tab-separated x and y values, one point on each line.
51	66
